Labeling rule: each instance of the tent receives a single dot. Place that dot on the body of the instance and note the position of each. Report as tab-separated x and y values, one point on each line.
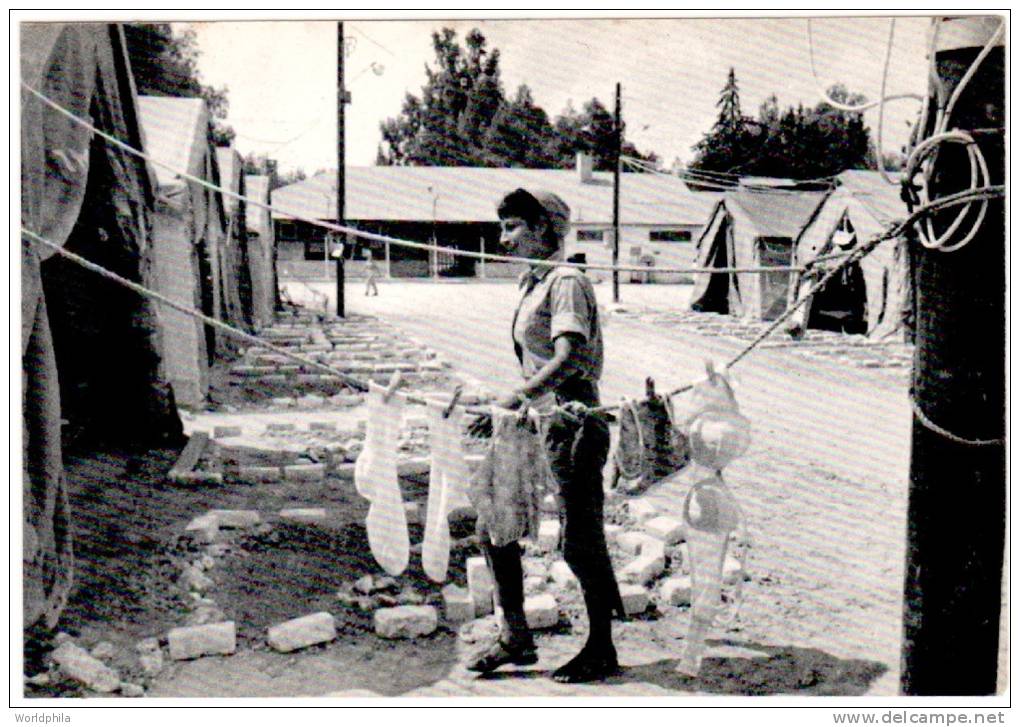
749	229
86	342
868	297
235	275
188	237
261	252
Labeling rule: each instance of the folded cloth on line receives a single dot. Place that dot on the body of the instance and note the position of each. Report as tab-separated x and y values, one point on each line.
376	479
651	447
448	484
507	488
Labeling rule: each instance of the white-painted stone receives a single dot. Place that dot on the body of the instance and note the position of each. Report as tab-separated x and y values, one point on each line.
414	467
550	504
203	528
732	571
191	642
668	530
562	575
480	585
549	534
79	665
406	622
676	591
635	599
304	514
236	518
194	580
412	511
299	633
541	612
630	542
305	472
457	604
147	646
151	662
102	650
643	569
653	548
613	532
260	474
533	585
128	689
641	510
534	567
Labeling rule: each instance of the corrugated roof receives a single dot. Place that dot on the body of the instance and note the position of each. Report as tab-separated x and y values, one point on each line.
775	214
470	194
881	198
175	134
257	188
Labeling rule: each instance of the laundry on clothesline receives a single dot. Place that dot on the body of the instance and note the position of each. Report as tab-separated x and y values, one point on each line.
448	484
651	447
507	488
376	479
711	514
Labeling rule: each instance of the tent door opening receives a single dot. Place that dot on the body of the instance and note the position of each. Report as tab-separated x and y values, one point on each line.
717	295
842	305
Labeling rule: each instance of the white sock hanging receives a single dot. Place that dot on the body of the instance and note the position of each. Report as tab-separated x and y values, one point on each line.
448	482
376	479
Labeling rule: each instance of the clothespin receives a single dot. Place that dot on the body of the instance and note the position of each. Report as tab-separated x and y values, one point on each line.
453	401
522	413
394	383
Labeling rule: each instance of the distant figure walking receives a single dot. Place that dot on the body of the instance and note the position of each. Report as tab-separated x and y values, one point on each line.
372	271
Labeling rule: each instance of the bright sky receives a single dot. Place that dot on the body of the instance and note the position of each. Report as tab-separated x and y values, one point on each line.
281	75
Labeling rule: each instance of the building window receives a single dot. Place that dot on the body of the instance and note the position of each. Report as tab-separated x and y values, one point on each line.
287	230
590	235
315	249
669	236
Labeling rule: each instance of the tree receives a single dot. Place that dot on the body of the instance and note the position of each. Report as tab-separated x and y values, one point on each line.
165	64
799	143
447	124
464	118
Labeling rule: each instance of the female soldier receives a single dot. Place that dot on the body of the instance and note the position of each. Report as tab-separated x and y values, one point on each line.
558	342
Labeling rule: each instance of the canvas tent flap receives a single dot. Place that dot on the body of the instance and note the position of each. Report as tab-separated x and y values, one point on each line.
860	208
59	61
81	332
47	554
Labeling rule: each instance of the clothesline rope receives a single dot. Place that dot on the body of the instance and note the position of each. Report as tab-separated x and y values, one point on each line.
960	198
375	237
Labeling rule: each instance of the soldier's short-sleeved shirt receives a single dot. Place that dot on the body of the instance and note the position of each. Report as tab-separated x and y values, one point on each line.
558	300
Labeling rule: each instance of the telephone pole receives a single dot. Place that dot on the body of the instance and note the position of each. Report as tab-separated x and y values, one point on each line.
956	519
617	145
342	99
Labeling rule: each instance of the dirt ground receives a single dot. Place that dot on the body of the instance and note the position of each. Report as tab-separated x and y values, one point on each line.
823	486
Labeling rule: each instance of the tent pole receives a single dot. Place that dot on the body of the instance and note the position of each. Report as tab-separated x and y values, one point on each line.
618	141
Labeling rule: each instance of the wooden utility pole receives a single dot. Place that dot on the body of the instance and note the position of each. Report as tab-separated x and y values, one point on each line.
342	99
957	509
617	145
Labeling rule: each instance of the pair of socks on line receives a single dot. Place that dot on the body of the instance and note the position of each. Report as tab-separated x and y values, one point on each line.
376	479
